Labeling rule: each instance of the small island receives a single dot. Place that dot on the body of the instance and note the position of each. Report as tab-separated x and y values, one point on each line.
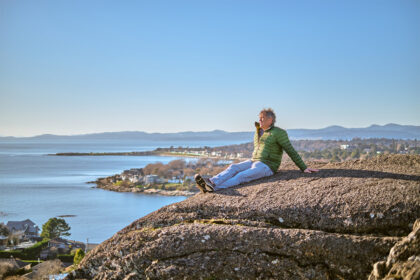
175	178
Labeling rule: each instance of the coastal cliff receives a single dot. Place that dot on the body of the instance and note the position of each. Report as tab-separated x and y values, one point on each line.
334	224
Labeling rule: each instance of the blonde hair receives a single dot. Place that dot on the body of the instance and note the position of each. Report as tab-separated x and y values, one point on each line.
268	112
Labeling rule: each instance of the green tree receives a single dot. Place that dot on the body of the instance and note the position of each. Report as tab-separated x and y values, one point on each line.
55	227
78	257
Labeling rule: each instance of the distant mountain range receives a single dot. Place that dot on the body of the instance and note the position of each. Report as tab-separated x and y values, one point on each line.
394	131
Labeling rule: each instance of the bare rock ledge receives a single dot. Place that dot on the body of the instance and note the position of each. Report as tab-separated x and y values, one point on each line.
334	224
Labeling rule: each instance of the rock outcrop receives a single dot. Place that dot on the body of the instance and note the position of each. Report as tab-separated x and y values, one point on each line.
334	224
403	261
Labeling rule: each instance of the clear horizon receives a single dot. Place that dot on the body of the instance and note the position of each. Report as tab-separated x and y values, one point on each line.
81	67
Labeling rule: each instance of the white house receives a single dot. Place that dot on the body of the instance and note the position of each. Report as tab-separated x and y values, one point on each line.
135	179
152	179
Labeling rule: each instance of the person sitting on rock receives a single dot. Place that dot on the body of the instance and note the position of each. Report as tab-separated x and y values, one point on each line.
269	143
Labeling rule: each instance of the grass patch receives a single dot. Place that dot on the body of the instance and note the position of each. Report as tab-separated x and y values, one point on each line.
118	183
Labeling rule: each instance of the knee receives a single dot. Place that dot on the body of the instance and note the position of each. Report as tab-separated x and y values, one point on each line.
233	167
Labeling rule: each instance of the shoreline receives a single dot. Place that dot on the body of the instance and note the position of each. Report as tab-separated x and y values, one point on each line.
106	184
150	191
117	184
109	183
147	153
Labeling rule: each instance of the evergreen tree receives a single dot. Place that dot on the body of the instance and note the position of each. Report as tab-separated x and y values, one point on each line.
55	227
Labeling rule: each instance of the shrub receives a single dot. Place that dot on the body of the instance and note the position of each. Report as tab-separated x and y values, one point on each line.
8	254
78	257
33	252
30	253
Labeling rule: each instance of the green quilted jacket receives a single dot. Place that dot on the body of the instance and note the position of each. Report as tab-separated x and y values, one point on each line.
268	148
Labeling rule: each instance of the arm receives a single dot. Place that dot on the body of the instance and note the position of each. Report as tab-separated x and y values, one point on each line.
284	142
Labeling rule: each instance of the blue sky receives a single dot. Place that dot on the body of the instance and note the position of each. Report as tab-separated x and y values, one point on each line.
70	67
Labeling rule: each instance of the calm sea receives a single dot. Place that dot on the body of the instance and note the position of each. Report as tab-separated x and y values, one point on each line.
38	186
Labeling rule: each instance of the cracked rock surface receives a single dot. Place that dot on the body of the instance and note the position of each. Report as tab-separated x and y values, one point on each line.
334	224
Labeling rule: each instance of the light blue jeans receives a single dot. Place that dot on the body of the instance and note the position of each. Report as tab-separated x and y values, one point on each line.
241	172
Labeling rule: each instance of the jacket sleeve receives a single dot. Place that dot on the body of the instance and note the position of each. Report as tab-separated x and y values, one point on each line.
284	142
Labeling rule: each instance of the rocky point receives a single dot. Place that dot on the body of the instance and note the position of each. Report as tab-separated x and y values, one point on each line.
340	223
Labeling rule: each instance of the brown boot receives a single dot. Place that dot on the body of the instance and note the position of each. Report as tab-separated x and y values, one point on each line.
204	184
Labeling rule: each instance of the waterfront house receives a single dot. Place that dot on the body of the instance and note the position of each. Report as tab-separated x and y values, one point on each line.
27	229
134	172
152	179
77	244
48	253
64	246
136	179
176	180
60	244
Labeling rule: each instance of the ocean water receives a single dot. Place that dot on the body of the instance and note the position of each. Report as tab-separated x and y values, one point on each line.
36	185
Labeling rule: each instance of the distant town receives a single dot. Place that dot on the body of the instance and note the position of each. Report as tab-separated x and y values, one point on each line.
324	150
